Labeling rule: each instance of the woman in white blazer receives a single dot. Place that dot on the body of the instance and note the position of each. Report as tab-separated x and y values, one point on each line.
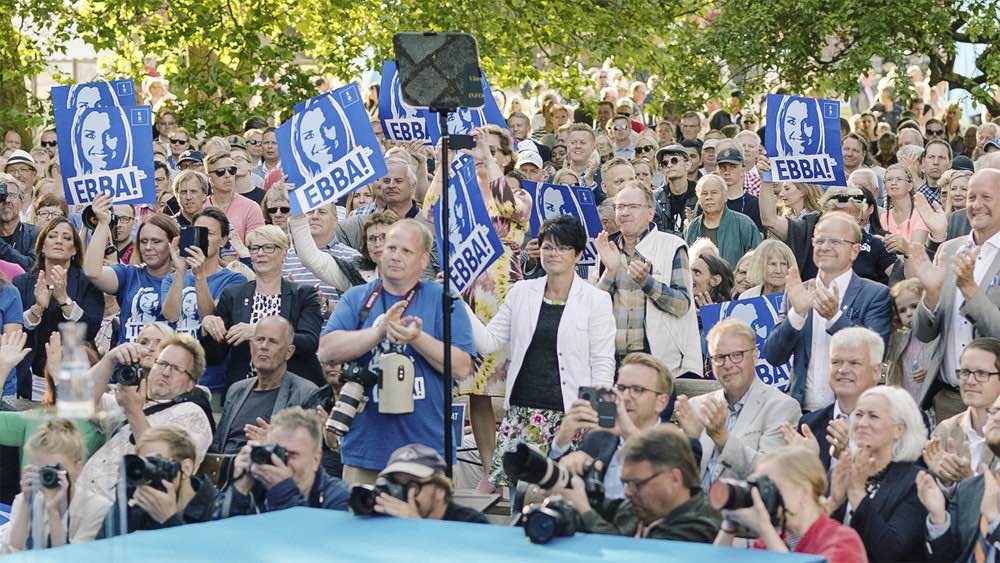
560	331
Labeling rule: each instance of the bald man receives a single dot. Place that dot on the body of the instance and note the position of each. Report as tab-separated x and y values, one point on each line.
251	402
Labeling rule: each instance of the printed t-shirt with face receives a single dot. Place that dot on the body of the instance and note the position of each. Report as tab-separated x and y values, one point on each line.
138	299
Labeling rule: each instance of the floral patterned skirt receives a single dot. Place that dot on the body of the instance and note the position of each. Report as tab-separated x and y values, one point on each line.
535	427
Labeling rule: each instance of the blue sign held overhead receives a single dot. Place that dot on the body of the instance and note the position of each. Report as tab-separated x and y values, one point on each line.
471	241
553	200
328	149
403	122
802	140
761	313
105	143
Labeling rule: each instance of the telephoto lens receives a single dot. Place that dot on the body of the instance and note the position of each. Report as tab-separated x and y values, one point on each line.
48	476
151	470
349	402
729	494
526	464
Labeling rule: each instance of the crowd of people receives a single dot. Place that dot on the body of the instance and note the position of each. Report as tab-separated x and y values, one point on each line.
247	374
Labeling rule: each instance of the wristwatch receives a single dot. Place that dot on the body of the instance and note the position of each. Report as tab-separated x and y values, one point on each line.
68	302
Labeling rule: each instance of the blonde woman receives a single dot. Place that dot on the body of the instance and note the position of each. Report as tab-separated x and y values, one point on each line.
768	268
798	198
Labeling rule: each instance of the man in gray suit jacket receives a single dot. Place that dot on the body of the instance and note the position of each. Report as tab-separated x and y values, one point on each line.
961	293
742	420
251	402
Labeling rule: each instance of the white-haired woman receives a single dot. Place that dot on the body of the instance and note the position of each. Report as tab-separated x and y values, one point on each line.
768	268
873	487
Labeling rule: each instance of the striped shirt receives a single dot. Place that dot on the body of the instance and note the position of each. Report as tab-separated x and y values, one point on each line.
294	271
629	298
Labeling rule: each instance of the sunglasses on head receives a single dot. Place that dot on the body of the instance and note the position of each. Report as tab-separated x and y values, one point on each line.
179	141
220	172
283	209
49	143
844	199
645	149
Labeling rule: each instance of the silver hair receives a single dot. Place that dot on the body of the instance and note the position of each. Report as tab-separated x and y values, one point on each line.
856	337
903	409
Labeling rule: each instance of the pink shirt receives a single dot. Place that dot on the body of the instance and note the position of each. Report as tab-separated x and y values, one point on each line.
244	215
10	270
906	228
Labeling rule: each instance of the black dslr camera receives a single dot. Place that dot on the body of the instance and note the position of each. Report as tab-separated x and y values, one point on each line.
48	476
151	470
357	378
261	455
729	494
127	374
362	499
552	518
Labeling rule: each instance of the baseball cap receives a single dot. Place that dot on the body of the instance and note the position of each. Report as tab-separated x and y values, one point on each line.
993	144
191	155
731	155
236	142
710	144
671	150
529	157
19	155
415	459
962	162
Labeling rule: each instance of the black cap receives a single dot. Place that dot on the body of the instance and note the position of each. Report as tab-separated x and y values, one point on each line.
192	155
236	142
730	155
962	162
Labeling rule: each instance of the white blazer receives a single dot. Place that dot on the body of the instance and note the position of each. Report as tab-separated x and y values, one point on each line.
585	342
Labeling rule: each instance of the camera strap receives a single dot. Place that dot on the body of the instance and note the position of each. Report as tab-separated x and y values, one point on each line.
376	294
193	396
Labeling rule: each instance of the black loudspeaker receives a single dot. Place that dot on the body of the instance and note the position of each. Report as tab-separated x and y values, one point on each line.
439	70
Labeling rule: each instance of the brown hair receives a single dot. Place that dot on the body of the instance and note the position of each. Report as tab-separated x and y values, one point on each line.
665	381
75	262
385	217
166	223
664	446
192	347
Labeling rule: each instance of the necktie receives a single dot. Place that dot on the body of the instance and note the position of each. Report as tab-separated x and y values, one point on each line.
982	545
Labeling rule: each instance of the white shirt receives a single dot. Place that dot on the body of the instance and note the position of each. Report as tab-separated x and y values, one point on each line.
977	442
818	391
961	329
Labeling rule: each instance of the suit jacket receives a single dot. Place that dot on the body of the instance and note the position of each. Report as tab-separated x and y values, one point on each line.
865	303
958	542
893	525
817	422
982	310
950	431
958	225
81	291
294	391
757	429
299	304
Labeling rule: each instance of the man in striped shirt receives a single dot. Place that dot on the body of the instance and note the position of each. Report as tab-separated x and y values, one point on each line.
323	227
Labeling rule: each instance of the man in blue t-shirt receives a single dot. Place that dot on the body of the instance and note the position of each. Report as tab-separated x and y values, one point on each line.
186	302
402	314
137	287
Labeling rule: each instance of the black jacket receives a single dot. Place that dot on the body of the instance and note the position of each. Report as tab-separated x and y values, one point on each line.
19	247
958	542
299	305
695	520
81	291
893	525
198	509
817	422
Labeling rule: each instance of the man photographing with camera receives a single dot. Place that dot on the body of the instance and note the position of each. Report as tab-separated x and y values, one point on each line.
663	496
420	471
283	473
643	391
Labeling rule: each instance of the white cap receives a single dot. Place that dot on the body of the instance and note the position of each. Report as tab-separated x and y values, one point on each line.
529	157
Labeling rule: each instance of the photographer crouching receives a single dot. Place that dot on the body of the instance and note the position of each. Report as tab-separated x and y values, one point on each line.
413	485
161	485
283	473
663	496
785	493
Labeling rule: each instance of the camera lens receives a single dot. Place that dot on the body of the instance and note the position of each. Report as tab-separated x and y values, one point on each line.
525	464
48	477
135	469
362	500
351	397
727	494
540	527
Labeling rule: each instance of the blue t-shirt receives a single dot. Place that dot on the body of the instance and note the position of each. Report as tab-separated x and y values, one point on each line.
138	299
373	436
11	312
190	320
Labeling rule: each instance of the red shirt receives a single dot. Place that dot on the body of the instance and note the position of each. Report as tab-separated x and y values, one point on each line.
831	539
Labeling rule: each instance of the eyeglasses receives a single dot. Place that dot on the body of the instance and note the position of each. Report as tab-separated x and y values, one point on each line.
979	375
172	368
735	357
672	161
620	127
645	149
282	209
375	238
630	207
554	248
635	484
48	215
845	199
265	248
178	141
935	132
634	390
49	143
124	218
220	172
824	241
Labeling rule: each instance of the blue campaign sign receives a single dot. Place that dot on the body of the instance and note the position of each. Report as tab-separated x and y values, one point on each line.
105	143
802	139
403	122
553	200
761	313
471	241
328	149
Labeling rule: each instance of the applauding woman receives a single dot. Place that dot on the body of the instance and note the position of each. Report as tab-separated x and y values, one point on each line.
560	331
54	292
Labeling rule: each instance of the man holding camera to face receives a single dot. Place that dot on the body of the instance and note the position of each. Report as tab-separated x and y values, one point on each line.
663	497
283	473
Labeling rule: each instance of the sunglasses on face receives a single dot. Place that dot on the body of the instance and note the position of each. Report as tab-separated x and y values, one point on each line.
845	199
220	172
643	150
254	143
671	161
282	209
179	141
935	132
49	143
